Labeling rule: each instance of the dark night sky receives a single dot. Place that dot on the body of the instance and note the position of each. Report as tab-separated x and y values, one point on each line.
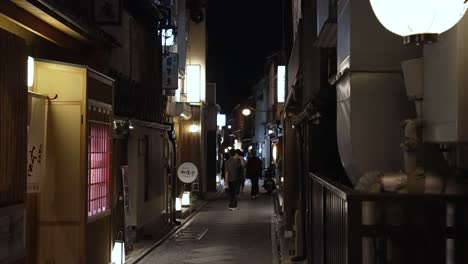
240	36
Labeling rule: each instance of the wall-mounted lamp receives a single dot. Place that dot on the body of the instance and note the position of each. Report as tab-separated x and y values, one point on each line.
275	153
246	111
419	21
193	128
30	71
270	131
229	126
130	126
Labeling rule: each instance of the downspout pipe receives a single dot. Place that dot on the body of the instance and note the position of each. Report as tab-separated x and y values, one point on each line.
173	179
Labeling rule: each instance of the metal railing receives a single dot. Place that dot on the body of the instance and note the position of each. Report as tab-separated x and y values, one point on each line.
347	226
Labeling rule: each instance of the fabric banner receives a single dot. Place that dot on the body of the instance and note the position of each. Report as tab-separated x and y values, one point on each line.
36	142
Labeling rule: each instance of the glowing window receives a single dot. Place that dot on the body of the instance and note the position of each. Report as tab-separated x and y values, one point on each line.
99	163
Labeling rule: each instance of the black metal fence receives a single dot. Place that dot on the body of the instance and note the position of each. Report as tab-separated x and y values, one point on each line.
347	226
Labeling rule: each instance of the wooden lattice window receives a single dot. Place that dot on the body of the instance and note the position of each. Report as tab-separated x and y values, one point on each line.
99	158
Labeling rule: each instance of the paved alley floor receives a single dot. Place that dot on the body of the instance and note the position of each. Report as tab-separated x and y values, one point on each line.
218	235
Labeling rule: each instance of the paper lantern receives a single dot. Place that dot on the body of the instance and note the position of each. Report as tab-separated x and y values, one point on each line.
418	21
186	199
118	252
178	204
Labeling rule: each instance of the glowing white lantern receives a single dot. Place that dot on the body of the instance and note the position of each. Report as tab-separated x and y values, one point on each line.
178	204
186	199
419	20
118	252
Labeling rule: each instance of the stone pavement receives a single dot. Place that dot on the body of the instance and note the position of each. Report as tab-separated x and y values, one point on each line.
218	235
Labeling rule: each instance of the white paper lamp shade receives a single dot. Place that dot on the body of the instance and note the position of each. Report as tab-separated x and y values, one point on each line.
186	199
418	17
178	204
118	252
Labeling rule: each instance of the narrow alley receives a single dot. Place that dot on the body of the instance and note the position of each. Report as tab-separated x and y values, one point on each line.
128	127
218	235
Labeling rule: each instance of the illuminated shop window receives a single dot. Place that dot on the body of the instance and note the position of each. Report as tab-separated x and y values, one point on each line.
98	161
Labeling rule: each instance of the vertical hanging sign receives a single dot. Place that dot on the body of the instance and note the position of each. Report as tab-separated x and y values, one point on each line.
170	73
36	143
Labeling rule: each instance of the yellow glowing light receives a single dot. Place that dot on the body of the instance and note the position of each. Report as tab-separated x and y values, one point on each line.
246	112
193	128
275	153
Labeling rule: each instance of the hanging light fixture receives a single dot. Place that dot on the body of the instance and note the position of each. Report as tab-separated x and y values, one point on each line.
419	21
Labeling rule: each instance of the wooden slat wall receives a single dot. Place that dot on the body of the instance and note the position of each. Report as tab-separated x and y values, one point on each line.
13	118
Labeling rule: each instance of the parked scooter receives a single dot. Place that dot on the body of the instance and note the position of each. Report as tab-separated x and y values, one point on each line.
269	183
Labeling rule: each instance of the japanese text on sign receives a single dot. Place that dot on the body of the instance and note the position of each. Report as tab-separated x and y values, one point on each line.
187	172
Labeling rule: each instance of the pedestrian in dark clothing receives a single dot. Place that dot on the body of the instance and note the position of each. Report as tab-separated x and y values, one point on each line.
240	155
226	158
254	172
233	175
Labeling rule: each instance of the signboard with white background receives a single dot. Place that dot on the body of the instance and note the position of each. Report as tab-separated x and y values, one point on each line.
36	143
187	172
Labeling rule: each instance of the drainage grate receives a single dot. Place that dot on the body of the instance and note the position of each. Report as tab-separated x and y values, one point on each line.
188	234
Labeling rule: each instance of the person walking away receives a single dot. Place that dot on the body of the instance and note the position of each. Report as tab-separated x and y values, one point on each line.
240	156
233	175
226	158
254	172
